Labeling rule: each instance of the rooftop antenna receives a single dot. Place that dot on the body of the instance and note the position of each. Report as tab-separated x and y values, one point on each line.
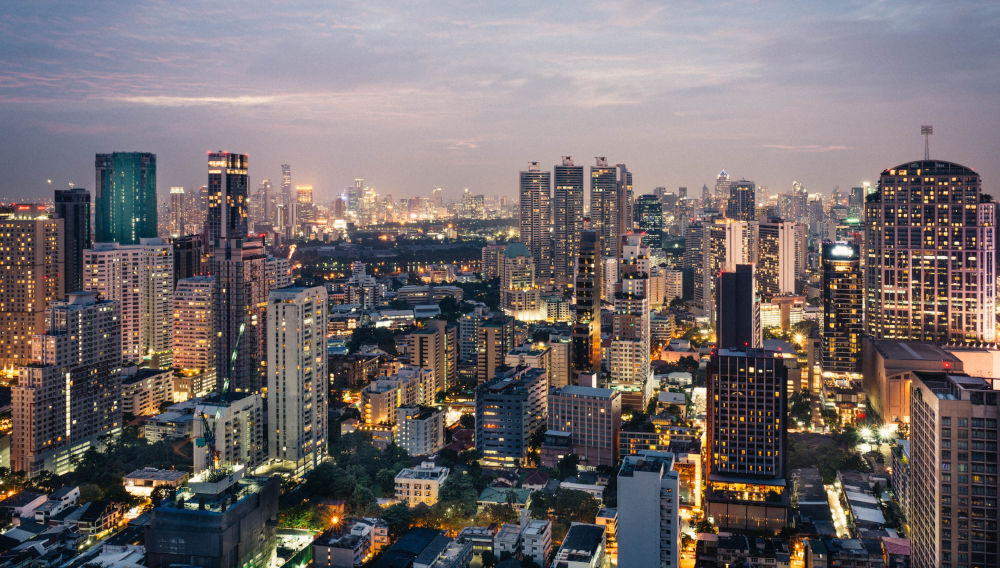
927	130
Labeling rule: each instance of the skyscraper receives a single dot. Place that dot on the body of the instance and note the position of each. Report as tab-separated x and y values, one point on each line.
240	308
842	300
125	197
722	183
73	207
140	278
509	409
587	312
930	246
536	215
729	243
742	204
286	184
648	508
177	207
952	519
297	377
567	211
31	276
194	331
746	433
227	197
737	309
603	204
649	215
776	255
494	340
630	336
69	397
520	296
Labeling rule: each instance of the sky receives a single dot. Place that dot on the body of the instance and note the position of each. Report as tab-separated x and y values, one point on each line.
463	94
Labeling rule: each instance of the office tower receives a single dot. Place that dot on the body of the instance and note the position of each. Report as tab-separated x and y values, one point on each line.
297	378
695	253
587	312
561	346
419	430
125	198
747	409
592	418
188	251
842	311
649	215
776	259
856	205
262	205
722	183
228	197
140	278
216	523
240	308
952	519
738	309
567	222
603	202
176	207
68	397
492	261
304	211
536	215
495	339
742	204
682	192
73	207
623	207
286	184
194	332
648	529
509	409
236	421
427	350
31	275
729	243
630	336
520	296
930	271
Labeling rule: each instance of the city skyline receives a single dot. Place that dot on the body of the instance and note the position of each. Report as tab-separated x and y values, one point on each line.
456	96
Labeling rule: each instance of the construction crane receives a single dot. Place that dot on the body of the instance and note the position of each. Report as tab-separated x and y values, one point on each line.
208	437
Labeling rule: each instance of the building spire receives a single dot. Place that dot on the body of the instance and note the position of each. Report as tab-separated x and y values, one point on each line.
927	130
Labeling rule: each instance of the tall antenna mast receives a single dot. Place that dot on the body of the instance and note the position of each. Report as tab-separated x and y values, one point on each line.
927	130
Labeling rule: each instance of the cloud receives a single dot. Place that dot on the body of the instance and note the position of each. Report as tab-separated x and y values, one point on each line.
806	147
175	101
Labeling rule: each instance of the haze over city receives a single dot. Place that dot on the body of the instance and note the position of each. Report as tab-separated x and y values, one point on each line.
459	95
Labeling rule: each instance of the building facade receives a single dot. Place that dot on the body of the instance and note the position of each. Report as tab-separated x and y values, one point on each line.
509	409
592	417
125	198
73	207
648	530
842	298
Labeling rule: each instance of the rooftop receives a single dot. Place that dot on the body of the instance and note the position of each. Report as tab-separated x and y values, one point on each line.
153	474
912	351
582	541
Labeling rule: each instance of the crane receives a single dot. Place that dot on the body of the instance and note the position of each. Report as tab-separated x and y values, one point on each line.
208	437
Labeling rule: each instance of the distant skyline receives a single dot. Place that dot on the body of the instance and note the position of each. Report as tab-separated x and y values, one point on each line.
457	94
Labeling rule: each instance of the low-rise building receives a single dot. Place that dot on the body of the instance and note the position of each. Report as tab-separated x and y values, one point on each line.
142	482
583	547
415	485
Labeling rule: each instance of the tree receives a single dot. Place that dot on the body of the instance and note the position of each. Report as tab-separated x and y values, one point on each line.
490	560
398	517
575	506
704	526
567	466
467	421
800	406
451	309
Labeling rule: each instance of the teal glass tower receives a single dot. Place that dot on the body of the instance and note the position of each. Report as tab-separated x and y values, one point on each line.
125	199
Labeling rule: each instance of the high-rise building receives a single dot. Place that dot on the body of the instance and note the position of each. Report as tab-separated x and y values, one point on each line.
567	223
236	420
738	309
603	203
856	205
742	204
188	251
73	207
31	276
140	278
297	379
649	215
592	418
227	197
69	397
520	296
176	207
492	261
194	331
427	349
286	184
495	339
729	243
125	198
695	253
509	409
722	183
747	410
776	272
953	461
419	430
561	346
842	300
930	247
262	204
630	336
240	270
587	312
536	215
648	528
